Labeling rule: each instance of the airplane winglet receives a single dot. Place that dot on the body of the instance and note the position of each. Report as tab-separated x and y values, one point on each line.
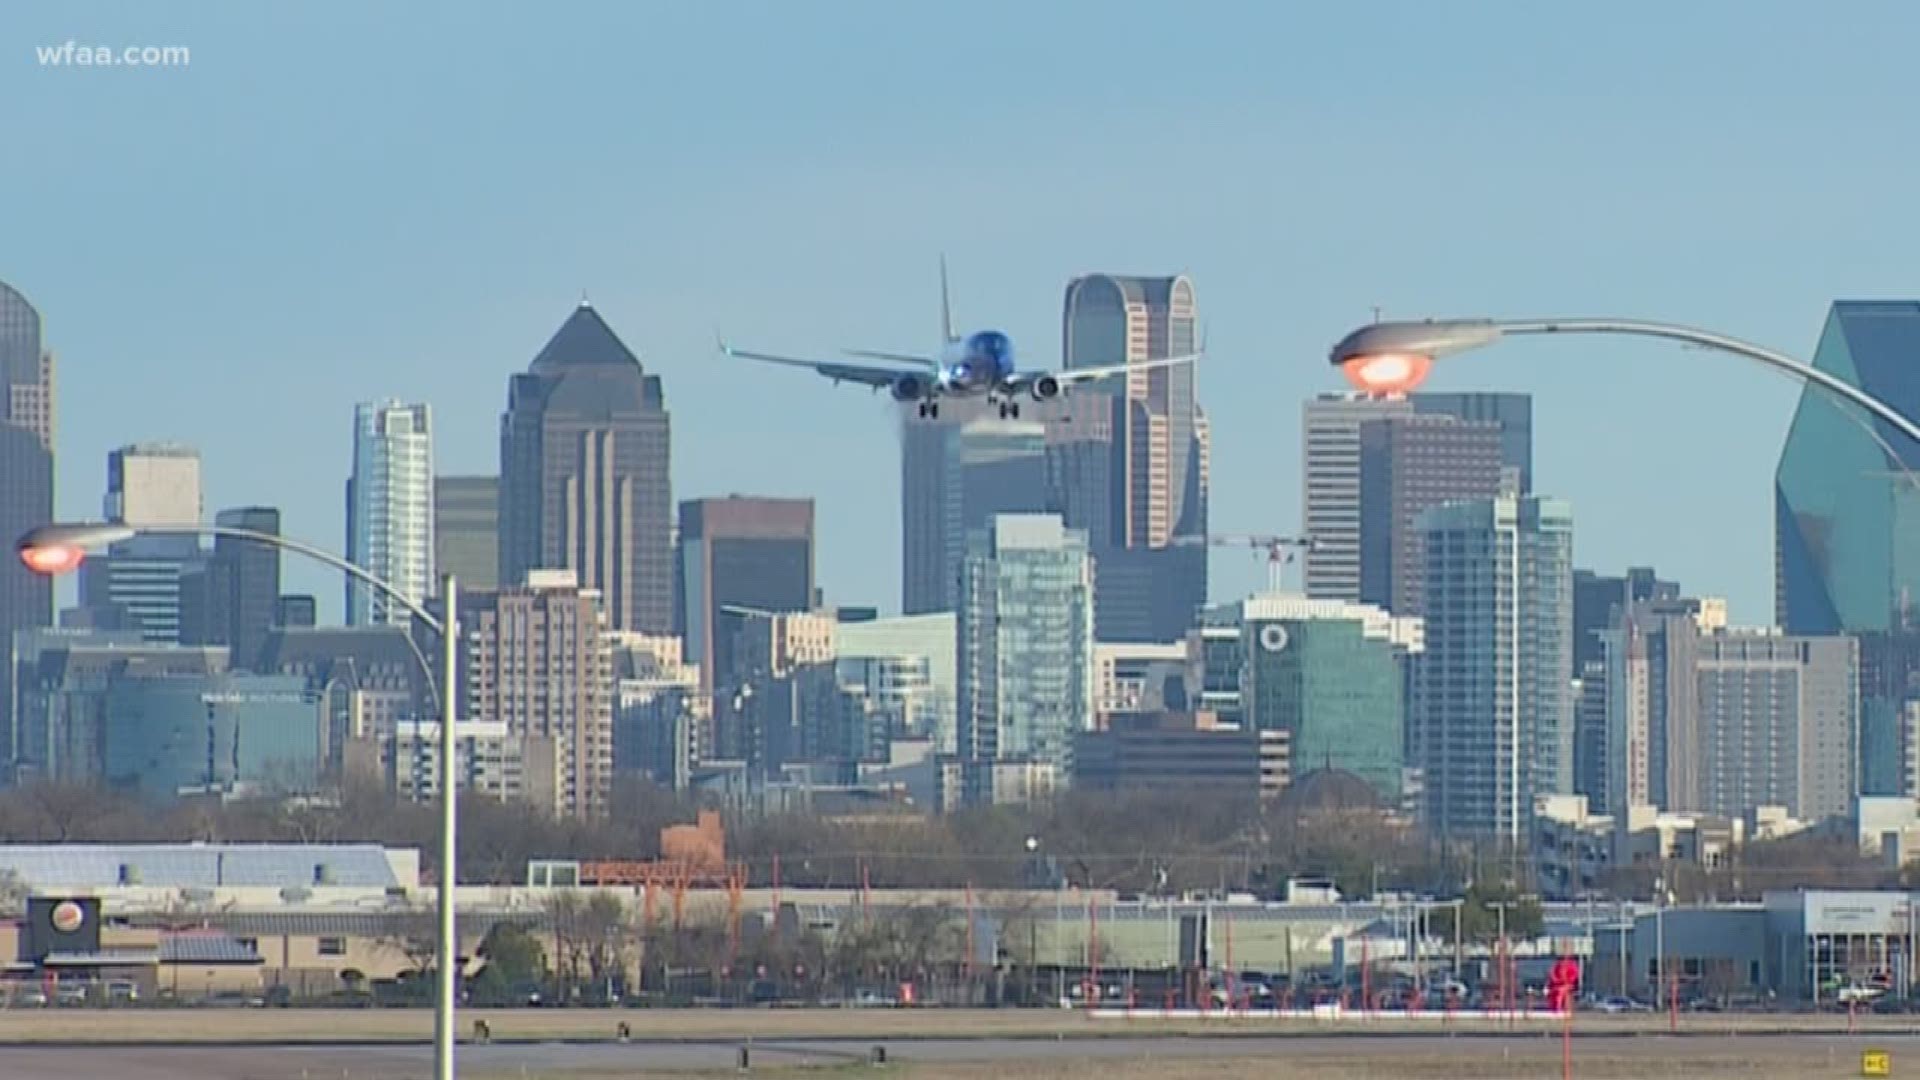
946	306
721	342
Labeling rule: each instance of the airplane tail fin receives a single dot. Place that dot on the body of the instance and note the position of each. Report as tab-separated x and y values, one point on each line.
946	306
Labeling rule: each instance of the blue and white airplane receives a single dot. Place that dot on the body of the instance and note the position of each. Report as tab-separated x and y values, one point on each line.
979	364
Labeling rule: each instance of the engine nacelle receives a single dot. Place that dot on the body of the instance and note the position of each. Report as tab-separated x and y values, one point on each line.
1045	387
909	388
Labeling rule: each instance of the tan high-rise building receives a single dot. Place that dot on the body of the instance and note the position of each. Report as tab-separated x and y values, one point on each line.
584	473
1156	477
540	661
26	473
1113	319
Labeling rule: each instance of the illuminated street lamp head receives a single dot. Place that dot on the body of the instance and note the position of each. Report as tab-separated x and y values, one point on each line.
60	549
1394	357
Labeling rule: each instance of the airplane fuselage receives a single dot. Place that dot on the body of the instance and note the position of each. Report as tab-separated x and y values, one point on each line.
980	363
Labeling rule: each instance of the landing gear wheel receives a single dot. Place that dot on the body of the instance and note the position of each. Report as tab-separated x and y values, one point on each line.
1013	409
931	410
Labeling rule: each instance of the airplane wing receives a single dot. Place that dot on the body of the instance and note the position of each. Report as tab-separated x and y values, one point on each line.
863	374
927	362
1084	374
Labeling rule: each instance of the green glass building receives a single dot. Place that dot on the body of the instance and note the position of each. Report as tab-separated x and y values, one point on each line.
1330	674
1847	523
167	734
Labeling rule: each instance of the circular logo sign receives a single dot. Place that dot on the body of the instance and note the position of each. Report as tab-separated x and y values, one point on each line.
67	916
1273	637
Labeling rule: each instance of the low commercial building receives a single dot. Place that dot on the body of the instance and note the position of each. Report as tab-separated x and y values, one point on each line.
1573	850
1798	945
1181	751
489	758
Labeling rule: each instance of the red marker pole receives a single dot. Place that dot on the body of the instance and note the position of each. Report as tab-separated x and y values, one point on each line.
1566	1042
1366	981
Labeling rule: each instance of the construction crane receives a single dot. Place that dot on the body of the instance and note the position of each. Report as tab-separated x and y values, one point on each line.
1279	550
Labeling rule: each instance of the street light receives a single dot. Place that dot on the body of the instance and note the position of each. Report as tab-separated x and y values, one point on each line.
61	548
1394	357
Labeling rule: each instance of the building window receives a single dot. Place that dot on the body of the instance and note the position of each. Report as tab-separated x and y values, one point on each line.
333	946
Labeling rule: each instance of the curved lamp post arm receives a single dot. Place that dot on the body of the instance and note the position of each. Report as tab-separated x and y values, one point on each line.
97	533
352	570
321	555
1708	339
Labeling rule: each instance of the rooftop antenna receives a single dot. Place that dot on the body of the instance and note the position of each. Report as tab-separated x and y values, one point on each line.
946	306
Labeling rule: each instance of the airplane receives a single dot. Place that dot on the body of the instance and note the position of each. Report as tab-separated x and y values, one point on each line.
979	364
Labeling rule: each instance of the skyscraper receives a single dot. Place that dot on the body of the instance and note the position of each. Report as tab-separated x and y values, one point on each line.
1330	463
1157	483
1778	723
1025	647
466	530
390	509
1512	413
154	484
135	583
1704	719
1409	464
1847	521
910	640
957	473
739	552
1494	721
1599	600
26	471
1110	319
230	599
539	660
584	485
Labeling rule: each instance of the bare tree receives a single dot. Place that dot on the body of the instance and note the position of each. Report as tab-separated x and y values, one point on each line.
413	933
607	936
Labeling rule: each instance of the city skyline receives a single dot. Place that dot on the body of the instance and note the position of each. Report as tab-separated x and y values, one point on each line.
671	223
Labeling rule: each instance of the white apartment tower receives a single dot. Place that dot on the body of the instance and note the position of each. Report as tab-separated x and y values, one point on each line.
390	508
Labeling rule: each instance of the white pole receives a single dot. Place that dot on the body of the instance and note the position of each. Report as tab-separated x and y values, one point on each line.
1659	939
448	943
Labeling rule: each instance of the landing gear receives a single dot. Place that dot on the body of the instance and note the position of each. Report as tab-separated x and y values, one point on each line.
929	410
1009	410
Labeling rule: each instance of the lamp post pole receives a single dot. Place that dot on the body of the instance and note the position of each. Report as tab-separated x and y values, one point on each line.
447	945
60	548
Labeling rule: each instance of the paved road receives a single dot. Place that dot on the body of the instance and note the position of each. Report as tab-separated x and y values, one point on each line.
556	1059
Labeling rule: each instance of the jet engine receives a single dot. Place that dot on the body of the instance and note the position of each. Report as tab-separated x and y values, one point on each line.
909	388
1045	387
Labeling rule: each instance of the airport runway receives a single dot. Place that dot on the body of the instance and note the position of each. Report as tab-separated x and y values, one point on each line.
1311	1055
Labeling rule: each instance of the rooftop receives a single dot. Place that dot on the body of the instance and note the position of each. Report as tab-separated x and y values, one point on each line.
47	867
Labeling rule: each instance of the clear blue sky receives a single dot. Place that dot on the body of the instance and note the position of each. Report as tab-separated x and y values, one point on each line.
346	200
